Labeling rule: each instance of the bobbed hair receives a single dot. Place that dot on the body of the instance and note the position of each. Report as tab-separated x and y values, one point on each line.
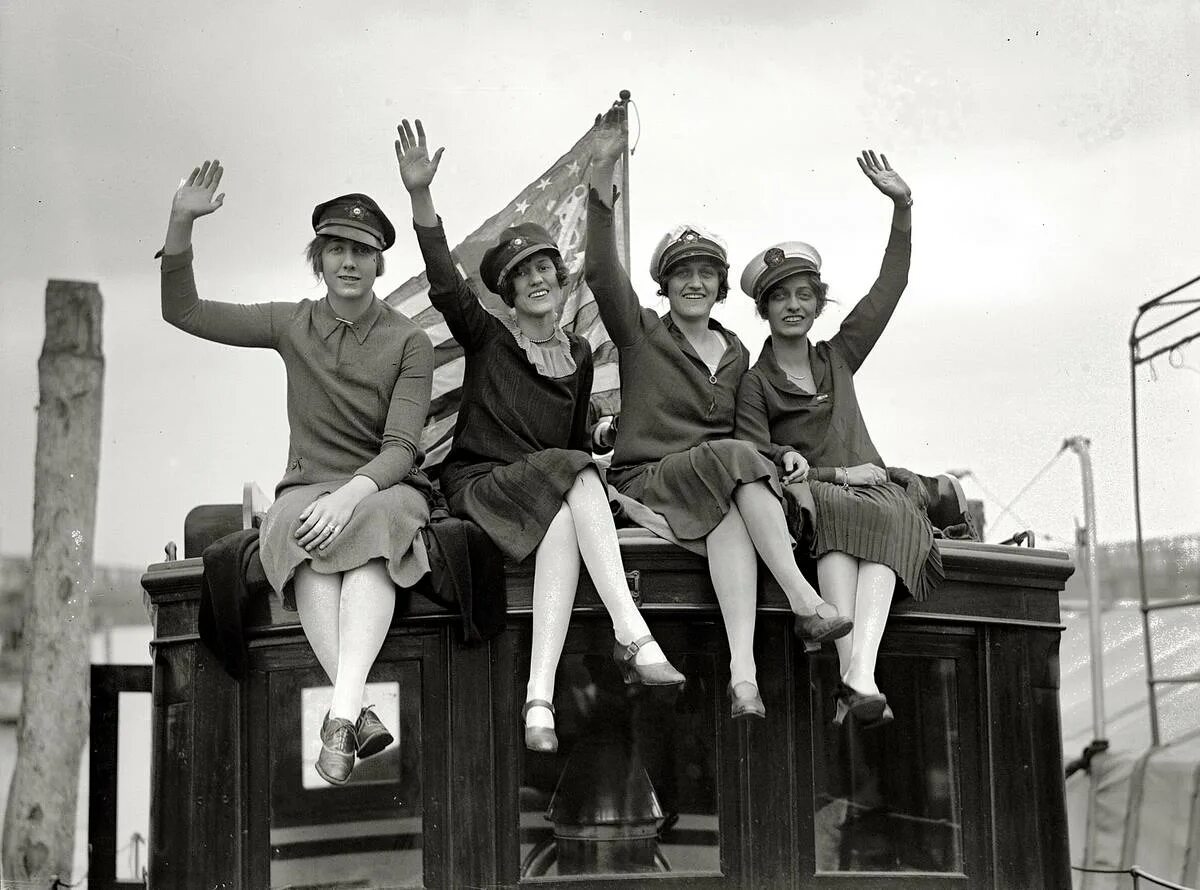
316	247
508	293
822	289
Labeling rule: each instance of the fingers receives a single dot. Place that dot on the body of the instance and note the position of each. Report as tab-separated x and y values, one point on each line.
408	133
886	165
401	141
875	161
437	158
420	134
331	531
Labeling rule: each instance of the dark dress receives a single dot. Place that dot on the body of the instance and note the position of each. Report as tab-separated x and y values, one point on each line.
878	523
675	452
521	437
357	396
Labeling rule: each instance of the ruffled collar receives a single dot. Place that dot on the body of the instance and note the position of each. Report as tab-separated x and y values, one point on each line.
550	359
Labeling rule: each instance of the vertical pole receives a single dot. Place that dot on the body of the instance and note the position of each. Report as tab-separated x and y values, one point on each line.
1081	446
624	100
1152	699
39	826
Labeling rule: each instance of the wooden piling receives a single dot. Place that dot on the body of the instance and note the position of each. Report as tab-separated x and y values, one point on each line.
39	825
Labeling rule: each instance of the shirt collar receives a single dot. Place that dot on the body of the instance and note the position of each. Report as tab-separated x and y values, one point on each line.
327	322
713	325
769	365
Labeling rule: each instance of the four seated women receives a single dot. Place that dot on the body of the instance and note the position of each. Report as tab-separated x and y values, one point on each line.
707	445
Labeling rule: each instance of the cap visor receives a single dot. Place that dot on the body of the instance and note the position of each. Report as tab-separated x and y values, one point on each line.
786	269
350	233
525	253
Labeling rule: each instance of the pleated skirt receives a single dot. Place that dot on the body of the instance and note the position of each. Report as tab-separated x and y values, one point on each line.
878	523
385	525
693	489
515	503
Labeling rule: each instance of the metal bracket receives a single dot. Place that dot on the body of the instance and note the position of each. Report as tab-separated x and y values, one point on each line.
634	580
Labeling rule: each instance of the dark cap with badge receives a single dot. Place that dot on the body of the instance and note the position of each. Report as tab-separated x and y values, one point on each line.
776	263
355	217
686	242
513	245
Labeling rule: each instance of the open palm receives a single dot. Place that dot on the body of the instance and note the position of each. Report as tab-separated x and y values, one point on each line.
884	178
196	195
417	168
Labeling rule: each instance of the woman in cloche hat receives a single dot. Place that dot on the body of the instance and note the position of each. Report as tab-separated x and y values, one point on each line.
675	452
343	530
799	397
520	465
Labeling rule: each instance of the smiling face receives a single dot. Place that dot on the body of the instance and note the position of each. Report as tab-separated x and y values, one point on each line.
793	304
692	287
349	268
534	287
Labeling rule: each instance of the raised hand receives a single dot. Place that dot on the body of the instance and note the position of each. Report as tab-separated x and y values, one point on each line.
417	169
884	178
610	135
195	196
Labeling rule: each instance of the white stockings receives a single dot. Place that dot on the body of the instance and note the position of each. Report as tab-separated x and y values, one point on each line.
864	591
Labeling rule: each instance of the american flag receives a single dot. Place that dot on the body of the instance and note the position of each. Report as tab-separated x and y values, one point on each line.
556	200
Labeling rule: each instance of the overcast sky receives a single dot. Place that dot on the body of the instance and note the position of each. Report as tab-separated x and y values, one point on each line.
1052	150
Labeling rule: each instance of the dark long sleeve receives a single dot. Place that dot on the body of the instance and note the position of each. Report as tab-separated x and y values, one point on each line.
751	421
581	426
865	324
450	294
606	277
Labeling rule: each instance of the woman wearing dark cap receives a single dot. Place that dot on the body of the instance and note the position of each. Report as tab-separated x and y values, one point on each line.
343	530
799	397
520	465
675	452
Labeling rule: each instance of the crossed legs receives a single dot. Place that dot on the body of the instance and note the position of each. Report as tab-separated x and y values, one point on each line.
862	589
582	531
755	526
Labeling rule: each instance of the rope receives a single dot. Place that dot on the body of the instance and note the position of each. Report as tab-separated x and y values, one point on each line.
1135	873
1028	485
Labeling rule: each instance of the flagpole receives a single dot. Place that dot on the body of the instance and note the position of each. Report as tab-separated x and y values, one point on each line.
623	100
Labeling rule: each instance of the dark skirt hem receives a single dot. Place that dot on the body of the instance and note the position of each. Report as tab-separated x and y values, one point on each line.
515	503
693	489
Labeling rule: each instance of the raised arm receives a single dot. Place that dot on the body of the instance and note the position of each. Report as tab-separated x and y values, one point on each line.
866	321
450	294
231	323
609	282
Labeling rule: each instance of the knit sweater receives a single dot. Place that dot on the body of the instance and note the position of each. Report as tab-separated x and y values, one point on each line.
357	394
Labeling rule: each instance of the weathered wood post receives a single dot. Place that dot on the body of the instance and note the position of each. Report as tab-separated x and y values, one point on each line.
39	826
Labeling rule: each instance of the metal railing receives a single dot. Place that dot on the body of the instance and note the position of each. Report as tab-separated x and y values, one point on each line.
1136	357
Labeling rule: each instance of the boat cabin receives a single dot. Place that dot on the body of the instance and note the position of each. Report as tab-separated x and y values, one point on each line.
648	788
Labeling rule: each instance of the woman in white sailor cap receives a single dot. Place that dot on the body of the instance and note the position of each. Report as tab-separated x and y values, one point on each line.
675	453
343	530
799	398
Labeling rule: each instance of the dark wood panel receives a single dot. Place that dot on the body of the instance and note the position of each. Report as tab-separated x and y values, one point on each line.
472	789
217	784
170	793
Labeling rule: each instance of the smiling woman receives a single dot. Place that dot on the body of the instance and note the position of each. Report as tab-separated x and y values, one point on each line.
343	529
521	465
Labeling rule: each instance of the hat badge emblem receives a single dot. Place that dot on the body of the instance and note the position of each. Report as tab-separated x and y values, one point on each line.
773	257
356	212
518	242
689	235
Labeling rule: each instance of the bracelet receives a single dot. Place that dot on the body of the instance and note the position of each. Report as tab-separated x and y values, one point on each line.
845	480
908	203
